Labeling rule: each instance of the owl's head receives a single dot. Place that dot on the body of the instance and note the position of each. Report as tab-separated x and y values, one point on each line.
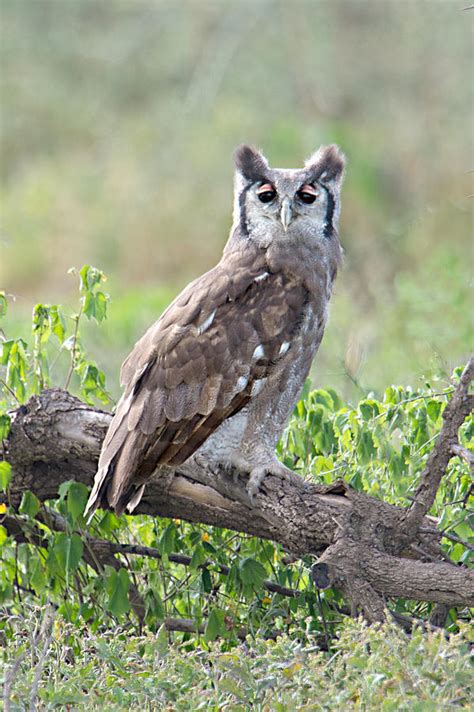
287	204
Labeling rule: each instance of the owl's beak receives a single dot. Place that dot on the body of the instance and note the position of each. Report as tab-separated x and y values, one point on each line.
286	213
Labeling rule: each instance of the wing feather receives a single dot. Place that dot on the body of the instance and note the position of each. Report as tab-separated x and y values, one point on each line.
182	380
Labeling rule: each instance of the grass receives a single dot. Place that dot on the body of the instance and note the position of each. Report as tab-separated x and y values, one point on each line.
368	668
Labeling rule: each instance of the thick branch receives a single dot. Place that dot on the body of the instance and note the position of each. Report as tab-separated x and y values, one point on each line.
56	438
439	582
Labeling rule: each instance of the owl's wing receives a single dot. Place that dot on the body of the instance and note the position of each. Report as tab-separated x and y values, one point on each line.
195	367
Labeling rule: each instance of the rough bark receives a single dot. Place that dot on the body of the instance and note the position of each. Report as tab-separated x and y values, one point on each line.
369	549
454	415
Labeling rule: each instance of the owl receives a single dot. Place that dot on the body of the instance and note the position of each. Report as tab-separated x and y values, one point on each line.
218	375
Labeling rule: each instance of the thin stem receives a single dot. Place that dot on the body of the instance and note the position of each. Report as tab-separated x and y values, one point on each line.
457	540
451	537
445	393
11	392
72	365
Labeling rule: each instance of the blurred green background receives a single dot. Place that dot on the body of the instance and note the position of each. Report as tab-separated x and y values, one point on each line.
118	123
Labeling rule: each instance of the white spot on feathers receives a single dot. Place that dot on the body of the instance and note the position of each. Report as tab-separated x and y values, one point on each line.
207	323
241	383
257	386
258	353
284	348
261	277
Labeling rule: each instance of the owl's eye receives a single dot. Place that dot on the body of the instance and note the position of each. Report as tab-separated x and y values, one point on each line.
266	193
307	194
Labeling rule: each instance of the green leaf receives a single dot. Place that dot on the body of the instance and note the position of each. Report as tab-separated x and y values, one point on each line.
109	523
6	593
215	625
76	495
94	303
89	305
392	395
90	277
3	305
5	475
37	576
30	504
58	324
92	381
5	349
369	409
162	641
433	408
316	417
365	447
95	306
206	580
13	355
3	535
100	306
154	605
199	557
252	572
167	539
40	321
76	500
117	589
68	551
325	440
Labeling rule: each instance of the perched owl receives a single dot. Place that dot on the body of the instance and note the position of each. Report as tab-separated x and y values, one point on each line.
217	376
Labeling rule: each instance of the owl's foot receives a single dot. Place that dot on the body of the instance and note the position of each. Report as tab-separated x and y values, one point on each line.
258	473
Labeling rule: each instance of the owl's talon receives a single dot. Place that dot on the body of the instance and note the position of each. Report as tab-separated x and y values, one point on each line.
256	477
258	474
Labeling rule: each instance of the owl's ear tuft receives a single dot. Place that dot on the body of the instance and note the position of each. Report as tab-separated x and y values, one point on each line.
327	165
251	163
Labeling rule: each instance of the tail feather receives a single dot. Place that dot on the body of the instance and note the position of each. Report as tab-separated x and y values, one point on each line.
98	495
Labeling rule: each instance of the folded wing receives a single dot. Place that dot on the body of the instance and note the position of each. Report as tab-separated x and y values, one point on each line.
194	368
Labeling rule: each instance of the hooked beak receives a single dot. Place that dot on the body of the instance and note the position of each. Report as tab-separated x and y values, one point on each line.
286	213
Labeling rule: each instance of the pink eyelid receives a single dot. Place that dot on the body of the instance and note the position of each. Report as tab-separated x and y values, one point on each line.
306	188
265	188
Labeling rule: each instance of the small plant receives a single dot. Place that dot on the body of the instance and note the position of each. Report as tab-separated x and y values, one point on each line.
28	368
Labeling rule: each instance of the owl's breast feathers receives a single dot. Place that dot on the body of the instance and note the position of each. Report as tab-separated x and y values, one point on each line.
198	365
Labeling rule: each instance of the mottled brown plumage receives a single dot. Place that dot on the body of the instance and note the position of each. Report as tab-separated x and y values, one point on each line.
219	372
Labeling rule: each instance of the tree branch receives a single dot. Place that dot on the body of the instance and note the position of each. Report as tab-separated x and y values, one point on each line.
456	411
363	540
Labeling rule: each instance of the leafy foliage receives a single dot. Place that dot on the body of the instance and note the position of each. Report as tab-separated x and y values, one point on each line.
216	578
29	368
